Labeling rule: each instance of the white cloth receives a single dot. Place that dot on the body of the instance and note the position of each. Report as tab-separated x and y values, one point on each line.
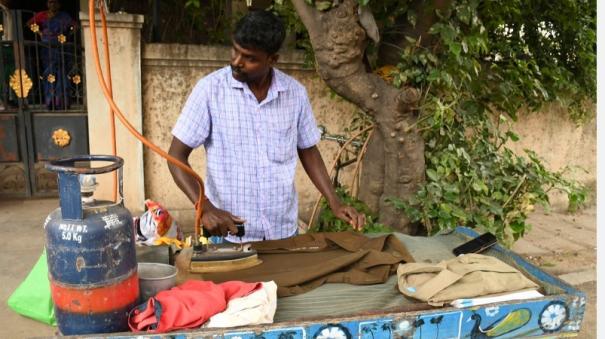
256	308
521	295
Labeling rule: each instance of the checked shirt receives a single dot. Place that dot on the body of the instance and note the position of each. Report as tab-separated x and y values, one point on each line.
251	148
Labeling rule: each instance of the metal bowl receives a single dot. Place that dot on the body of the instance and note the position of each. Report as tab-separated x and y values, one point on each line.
155	277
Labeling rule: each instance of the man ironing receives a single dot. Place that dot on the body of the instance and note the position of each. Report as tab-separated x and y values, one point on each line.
252	120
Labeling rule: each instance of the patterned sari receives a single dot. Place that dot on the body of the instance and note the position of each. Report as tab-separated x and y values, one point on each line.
56	62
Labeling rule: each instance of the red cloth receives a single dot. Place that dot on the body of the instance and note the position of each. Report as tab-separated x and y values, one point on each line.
186	306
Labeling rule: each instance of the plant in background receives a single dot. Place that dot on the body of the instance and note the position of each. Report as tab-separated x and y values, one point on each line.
488	61
328	222
478	64
294	27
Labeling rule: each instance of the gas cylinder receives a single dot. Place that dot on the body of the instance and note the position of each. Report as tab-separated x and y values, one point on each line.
91	255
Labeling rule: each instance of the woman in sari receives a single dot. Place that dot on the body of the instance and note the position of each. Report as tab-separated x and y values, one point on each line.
54	25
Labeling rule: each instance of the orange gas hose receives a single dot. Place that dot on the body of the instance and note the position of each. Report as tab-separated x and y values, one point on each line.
107	93
112	118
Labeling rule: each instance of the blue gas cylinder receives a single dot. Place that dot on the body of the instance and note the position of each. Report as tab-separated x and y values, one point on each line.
91	254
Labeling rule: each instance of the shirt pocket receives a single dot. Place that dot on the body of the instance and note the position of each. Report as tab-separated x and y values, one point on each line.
281	141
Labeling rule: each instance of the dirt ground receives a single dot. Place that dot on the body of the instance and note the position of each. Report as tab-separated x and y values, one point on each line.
560	243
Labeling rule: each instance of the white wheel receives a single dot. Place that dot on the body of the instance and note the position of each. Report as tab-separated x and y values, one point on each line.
553	316
333	332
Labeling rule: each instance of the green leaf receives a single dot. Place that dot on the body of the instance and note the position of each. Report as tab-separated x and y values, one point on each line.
448	33
512	136
455	48
323	5
476	187
412	17
432	174
192	3
464	46
434	75
464	14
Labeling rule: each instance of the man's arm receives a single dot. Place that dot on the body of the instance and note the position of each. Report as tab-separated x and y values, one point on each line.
316	170
216	221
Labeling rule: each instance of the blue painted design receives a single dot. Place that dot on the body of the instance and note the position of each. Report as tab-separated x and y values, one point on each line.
553	316
404	328
521	319
282	333
285	333
506	324
438	325
334	331
375	329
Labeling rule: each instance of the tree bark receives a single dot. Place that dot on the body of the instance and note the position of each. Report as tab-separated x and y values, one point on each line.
394	163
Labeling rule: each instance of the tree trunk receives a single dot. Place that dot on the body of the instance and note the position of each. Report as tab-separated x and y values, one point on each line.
394	163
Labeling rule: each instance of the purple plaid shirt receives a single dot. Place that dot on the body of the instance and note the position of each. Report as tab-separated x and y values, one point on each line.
251	148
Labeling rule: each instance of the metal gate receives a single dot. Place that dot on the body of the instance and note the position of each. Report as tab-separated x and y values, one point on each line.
42	105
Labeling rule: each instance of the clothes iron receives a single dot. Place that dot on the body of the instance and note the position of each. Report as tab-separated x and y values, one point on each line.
224	257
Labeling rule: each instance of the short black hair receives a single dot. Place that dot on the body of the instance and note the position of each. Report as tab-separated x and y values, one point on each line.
260	30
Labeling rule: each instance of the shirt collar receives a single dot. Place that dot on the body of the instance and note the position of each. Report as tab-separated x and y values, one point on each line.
277	81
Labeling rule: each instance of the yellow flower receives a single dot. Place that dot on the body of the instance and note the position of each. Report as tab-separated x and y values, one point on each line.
61	38
76	79
34	27
51	78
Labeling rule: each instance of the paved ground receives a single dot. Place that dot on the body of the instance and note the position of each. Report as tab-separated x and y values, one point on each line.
561	244
565	245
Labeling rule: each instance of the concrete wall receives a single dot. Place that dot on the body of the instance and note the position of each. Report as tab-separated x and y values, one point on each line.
170	71
124	37
559	142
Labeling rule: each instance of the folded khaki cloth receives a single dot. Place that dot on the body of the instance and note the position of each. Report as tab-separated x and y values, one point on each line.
304	262
466	276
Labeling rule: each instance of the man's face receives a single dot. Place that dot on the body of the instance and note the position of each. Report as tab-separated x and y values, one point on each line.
53	5
250	65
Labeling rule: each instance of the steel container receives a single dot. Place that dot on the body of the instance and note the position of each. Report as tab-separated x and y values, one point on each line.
155	277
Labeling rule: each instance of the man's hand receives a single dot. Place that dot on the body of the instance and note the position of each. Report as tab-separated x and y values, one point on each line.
350	215
316	169
219	222
214	220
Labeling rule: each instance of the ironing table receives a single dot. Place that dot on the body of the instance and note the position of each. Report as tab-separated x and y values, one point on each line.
380	311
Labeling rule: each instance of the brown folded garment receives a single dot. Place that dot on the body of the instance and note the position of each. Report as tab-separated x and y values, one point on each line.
304	262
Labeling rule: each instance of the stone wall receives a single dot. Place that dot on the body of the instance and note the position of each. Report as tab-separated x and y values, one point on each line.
170	71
